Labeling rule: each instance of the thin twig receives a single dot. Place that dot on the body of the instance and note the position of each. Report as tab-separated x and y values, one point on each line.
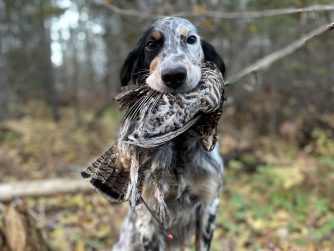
277	55
202	12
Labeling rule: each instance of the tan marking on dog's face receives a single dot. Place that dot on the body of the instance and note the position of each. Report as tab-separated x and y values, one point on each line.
156	35
184	31
155	62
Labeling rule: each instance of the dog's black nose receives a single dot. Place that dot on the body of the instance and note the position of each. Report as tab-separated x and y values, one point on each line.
175	77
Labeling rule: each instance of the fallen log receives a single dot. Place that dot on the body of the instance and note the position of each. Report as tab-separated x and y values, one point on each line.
40	188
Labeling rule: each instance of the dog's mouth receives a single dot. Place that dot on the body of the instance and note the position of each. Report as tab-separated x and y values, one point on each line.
155	81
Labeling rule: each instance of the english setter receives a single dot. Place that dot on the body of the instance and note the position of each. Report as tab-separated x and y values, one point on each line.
168	58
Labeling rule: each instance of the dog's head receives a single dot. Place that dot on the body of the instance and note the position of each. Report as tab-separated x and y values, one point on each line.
168	57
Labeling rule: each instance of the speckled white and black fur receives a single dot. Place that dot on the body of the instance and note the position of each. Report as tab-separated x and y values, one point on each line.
192	176
176	52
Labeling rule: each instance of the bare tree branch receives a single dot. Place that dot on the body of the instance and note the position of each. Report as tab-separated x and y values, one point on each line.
202	12
38	188
257	14
277	55
126	12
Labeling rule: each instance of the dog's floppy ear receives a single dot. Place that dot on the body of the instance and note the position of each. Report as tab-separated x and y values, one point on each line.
134	64
210	54
129	66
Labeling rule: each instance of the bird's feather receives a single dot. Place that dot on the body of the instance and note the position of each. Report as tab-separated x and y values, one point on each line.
164	138
110	177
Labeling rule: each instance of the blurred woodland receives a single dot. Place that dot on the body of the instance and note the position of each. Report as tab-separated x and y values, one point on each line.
59	71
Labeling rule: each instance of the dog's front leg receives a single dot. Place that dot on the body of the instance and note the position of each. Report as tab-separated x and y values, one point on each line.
199	229
205	225
139	233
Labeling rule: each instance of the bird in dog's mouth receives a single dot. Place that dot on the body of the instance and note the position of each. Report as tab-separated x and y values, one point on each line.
152	120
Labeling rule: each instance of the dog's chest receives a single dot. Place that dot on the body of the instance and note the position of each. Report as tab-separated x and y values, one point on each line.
192	180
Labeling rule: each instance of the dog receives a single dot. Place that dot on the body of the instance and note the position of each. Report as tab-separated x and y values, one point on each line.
167	58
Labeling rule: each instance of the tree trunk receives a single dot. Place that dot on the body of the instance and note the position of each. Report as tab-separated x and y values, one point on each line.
3	89
75	77
107	80
3	94
47	71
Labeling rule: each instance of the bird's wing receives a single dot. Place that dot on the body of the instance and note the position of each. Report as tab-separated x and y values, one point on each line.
206	128
159	140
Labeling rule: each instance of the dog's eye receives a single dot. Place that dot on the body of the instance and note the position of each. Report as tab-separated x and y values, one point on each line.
191	40
150	45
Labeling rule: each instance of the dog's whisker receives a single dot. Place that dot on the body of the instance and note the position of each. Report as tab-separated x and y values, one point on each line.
142	79
141	71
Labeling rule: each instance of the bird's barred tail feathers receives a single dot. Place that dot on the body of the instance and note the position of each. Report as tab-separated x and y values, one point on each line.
111	179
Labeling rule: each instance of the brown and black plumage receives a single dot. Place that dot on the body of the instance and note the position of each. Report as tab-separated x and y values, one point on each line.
151	121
